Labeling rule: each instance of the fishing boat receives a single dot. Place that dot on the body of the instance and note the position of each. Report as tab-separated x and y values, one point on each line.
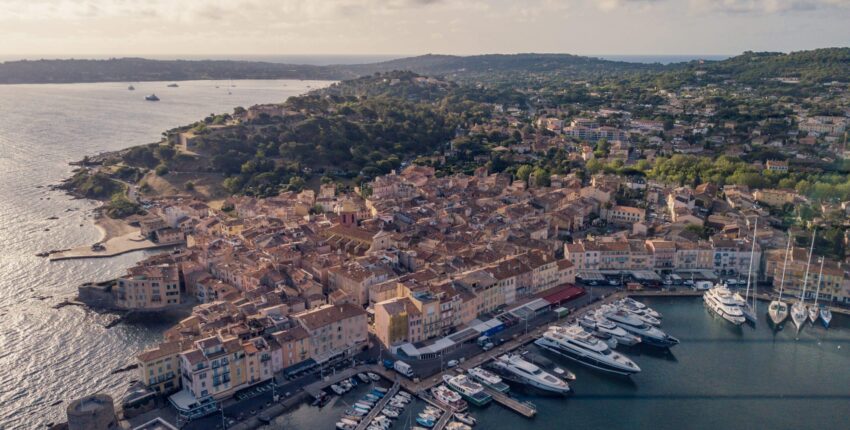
778	310
798	309
814	310
750	311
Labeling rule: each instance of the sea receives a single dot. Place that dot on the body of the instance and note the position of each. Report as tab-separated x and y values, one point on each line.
50	356
719	377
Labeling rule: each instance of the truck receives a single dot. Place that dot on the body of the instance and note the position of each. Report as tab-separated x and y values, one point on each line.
403	368
388	364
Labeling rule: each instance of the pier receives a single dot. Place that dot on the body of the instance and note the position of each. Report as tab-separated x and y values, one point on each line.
378	408
523	408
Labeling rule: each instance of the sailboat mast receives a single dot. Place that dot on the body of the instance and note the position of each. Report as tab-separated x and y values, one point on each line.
784	265
752	251
808	264
820	277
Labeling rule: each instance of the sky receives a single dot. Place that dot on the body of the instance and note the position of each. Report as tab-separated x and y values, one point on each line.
97	28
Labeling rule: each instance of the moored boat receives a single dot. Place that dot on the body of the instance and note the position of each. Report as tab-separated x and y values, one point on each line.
777	310
574	343
489	379
515	368
470	390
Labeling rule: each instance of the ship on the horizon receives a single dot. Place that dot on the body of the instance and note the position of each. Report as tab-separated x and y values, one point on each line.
152	98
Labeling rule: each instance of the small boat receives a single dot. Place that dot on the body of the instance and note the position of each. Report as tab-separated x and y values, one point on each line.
152	98
172	85
380	390
465	418
337	390
348	421
373	376
363	378
390	413
825	316
425	422
131	88
352	381
457	426
564	374
748	311
343	426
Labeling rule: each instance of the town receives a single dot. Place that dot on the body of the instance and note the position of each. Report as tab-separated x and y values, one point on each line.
416	264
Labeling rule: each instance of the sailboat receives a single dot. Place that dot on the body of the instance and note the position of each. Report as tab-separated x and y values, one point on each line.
778	310
813	309
798	310
749	311
825	316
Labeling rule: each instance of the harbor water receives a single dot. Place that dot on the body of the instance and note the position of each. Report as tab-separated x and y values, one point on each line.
719	377
50	356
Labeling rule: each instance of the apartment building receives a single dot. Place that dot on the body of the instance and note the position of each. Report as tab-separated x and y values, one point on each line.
148	287
334	330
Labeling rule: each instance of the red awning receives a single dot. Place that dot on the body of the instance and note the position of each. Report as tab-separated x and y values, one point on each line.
563	294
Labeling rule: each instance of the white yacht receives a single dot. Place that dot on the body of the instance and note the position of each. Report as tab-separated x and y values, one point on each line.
469	389
602	325
718	299
638	308
449	397
513	367
778	310
488	378
640	305
648	334
575	343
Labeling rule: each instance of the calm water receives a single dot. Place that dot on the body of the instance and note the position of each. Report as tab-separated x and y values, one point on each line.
719	377
49	355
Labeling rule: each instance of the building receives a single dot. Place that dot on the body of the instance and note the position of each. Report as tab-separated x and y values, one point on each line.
397	321
623	215
159	367
334	330
776	166
148	287
774	197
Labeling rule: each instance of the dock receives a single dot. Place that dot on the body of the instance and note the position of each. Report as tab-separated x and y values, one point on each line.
378	408
315	388
525	409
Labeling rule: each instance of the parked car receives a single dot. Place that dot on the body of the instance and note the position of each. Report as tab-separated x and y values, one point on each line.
452	363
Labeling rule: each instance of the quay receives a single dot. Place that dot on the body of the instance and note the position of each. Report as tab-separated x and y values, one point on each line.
378	408
316	388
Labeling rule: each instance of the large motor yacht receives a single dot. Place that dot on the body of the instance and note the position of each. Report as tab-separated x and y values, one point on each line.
514	368
719	301
648	334
602	325
575	343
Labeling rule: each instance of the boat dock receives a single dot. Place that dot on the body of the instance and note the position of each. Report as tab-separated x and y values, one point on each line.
316	388
525	409
378	408
444	420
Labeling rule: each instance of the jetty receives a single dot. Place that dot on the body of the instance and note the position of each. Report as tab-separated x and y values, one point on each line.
363	424
525	409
